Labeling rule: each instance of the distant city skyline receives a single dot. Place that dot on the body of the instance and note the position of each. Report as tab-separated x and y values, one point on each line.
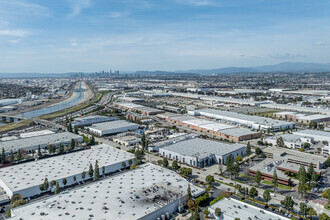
89	35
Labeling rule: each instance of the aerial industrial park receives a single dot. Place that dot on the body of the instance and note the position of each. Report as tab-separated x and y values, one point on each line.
136	148
164	110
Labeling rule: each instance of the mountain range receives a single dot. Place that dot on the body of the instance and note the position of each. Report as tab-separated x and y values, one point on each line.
295	67
281	67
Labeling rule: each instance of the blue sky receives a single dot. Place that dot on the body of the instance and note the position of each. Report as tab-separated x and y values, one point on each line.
93	35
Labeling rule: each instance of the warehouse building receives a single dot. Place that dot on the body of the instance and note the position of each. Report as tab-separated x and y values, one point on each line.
148	192
89	120
25	179
112	127
266	168
306	119
254	122
199	152
154	147
318	136
139	108
232	208
315	134
290	140
295	157
32	143
225	131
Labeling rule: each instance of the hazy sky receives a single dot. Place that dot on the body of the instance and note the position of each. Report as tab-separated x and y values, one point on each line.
93	35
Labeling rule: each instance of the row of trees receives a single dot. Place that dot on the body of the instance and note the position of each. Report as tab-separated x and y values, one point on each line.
12	157
310	177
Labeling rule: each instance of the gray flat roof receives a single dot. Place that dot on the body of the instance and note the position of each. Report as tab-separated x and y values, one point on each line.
287	137
198	147
127	195
254	119
113	125
295	155
234	208
47	139
92	120
31	174
268	166
238	132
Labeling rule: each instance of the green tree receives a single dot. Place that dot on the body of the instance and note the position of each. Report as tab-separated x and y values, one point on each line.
103	170
314	179
206	212
280	142
175	165
61	149
92	141
123	164
323	216
257	177
16	197
57	188
258	151
19	155
74	178
11	157
144	142
83	174
302	175
327	162
76	130
3	156
274	181
248	148
253	192
139	156
288	202
267	196
90	171
229	164
52	149
96	171
189	192
235	169
165	162
39	152
69	127
303	208
72	144
310	172
311	212
19	203
209	179
130	161
64	181
217	212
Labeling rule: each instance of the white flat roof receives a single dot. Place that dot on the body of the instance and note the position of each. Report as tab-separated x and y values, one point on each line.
30	174
36	133
233	208
48	139
128	195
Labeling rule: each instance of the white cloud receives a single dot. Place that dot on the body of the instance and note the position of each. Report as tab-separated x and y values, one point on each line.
22	7
78	5
14	33
320	43
118	14
196	2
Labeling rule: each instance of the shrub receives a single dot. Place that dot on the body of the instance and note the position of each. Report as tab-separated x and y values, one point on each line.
239	158
216	200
